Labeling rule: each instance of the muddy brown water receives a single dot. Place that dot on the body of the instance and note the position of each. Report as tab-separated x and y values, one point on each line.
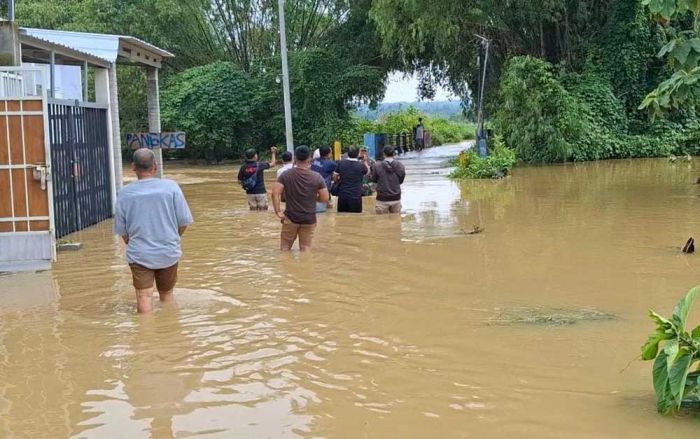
385	331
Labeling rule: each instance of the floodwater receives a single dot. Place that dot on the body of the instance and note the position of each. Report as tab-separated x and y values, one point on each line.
395	327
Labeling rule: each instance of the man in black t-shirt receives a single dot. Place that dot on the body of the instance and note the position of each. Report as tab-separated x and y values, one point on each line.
252	179
351	172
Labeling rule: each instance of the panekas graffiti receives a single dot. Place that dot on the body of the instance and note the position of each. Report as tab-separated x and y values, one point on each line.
156	140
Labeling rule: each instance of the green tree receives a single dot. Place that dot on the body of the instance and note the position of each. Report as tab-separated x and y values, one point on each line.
215	106
679	20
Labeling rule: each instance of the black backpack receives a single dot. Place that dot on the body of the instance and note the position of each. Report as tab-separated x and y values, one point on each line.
252	180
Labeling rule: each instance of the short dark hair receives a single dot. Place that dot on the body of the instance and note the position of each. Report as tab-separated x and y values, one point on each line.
420	119
388	151
250	154
287	157
324	150
353	152
144	159
302	153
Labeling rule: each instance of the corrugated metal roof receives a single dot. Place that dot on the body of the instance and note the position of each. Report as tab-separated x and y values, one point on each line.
103	46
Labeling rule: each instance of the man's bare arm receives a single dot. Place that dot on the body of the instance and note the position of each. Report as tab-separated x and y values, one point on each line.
125	238
277	191
323	195
181	230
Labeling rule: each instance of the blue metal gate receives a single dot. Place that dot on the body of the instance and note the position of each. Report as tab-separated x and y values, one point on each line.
80	154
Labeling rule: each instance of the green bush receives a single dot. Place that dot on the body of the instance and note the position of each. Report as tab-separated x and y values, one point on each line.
497	165
214	105
535	114
575	117
675	352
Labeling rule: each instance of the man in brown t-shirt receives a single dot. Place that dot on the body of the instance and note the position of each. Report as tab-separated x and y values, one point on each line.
301	187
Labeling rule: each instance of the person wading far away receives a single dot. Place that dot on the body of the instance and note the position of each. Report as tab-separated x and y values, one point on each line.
367	186
350	173
301	188
287	163
151	216
325	166
389	175
252	179
420	135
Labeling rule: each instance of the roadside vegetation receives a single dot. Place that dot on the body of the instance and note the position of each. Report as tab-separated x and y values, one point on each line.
496	165
442	130
676	353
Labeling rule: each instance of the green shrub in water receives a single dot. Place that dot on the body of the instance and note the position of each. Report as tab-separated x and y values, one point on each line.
676	377
497	165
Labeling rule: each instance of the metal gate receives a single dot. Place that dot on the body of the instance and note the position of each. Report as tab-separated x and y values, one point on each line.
81	171
26	217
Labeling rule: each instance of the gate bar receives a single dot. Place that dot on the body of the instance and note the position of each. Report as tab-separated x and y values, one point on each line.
9	160
24	160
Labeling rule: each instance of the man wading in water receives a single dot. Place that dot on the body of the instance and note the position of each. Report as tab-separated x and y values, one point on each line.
389	175
302	188
351	172
151	215
252	179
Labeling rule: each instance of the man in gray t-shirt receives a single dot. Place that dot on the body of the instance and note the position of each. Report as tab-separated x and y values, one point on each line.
151	215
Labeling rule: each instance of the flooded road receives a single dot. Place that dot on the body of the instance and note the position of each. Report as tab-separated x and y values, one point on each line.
394	327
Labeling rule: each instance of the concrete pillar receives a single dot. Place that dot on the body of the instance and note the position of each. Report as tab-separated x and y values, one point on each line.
116	133
52	74
102	97
10	48
85	81
154	112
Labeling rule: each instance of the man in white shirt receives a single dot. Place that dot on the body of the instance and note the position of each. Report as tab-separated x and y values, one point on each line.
151	216
287	163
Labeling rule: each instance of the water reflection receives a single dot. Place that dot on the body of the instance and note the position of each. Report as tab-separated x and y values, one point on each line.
432	204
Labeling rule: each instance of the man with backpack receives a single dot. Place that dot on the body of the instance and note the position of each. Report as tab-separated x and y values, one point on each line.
252	179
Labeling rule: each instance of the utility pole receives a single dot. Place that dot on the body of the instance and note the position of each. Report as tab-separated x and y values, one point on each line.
11	10
481	136
285	80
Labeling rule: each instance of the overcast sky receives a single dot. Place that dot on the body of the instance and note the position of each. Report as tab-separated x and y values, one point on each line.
405	89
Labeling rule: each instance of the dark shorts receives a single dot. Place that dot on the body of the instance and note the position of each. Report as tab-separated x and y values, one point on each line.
165	278
351	205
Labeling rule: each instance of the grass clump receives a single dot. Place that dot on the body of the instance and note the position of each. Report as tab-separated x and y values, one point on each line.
497	165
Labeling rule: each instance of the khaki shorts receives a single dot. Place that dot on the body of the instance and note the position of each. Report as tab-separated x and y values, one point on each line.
290	232
165	278
257	201
383	207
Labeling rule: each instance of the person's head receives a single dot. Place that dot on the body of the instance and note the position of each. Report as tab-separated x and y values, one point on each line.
364	151
325	151
353	152
144	163
420	120
302	154
388	151
287	157
251	154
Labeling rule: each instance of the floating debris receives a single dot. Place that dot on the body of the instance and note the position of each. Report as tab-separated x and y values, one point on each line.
68	246
689	246
475	230
548	316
